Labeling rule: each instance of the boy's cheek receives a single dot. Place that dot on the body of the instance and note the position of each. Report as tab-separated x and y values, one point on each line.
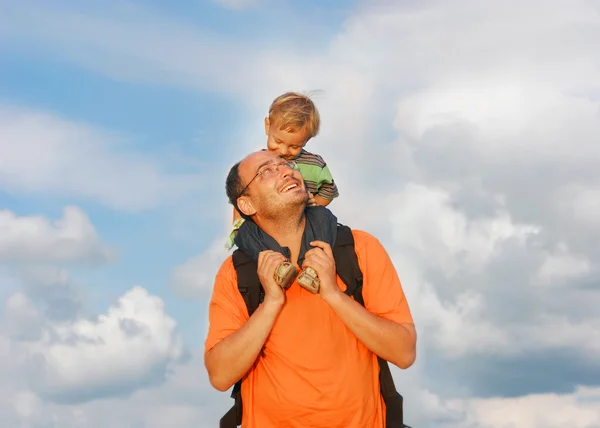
272	147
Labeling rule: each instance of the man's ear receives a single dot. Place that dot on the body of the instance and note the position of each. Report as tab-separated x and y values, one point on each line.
267	125
245	206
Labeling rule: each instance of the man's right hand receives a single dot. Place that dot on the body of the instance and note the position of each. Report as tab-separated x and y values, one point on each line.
268	261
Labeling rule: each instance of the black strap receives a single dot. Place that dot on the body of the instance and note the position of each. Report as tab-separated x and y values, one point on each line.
253	294
349	271
248	282
346	263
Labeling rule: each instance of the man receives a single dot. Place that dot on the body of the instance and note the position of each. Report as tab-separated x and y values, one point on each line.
306	359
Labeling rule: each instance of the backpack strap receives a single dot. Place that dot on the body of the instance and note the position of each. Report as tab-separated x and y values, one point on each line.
346	262
253	294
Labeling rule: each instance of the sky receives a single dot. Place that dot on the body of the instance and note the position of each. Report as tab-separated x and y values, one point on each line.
463	135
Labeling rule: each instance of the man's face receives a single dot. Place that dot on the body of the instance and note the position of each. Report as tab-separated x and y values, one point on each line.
284	143
273	185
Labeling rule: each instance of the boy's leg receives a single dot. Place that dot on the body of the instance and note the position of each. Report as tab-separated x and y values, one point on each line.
231	239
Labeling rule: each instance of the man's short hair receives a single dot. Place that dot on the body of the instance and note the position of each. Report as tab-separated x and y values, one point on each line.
234	187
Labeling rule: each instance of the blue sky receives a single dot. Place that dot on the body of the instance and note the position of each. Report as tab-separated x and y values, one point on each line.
446	125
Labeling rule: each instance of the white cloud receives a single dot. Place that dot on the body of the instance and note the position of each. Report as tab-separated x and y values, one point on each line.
77	360
561	266
129	42
423	218
37	239
77	161
195	278
487	109
238	4
182	400
21	319
580	409
583	204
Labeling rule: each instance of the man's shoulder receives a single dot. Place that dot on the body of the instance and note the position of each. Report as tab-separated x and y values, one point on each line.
366	243
227	269
362	237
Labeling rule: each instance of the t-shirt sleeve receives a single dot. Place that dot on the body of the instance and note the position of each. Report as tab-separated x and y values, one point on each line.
227	311
382	290
326	185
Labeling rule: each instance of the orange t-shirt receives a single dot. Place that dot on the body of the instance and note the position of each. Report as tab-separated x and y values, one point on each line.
314	372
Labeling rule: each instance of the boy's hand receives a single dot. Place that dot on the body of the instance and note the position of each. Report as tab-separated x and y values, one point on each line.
311	200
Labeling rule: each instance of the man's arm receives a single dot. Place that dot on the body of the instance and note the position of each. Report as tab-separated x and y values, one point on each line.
384	324
234	341
230	359
391	341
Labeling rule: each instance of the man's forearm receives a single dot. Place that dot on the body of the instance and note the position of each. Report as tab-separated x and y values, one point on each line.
231	358
387	339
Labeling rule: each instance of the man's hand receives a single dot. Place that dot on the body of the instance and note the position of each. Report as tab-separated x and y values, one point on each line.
268	261
311	200
231	358
321	259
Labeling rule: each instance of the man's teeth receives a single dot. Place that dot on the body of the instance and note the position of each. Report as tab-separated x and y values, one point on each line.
291	186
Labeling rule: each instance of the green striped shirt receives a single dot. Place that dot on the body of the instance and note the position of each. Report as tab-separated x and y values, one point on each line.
317	176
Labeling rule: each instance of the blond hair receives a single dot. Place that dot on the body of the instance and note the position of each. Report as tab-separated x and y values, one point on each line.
293	111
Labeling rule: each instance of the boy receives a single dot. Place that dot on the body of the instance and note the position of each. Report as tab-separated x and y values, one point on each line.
292	121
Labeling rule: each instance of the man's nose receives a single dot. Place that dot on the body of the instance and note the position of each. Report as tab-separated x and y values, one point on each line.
285	171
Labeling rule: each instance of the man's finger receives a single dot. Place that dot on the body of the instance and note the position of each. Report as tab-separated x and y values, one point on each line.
324	246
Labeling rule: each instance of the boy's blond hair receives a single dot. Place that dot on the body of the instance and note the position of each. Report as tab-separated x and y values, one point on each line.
293	111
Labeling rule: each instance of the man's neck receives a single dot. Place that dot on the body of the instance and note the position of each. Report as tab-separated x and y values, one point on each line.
287	231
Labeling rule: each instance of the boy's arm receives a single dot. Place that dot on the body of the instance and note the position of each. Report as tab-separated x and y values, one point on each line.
327	193
322	201
328	189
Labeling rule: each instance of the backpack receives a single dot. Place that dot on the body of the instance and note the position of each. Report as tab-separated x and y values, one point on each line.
349	271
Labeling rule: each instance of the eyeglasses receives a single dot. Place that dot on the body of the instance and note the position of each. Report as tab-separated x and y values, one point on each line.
270	170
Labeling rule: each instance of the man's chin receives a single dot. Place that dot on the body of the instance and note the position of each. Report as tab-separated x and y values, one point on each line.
299	196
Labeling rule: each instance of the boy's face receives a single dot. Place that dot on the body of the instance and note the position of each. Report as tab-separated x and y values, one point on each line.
286	144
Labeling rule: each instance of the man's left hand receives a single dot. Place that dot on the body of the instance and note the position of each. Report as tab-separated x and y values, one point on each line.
321	259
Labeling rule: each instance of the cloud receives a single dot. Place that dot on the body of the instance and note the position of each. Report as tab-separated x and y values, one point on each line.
21	319
478	169
445	236
36	239
75	160
128	42
125	367
195	277
181	400
474	130
561	266
237	4
579	410
74	361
